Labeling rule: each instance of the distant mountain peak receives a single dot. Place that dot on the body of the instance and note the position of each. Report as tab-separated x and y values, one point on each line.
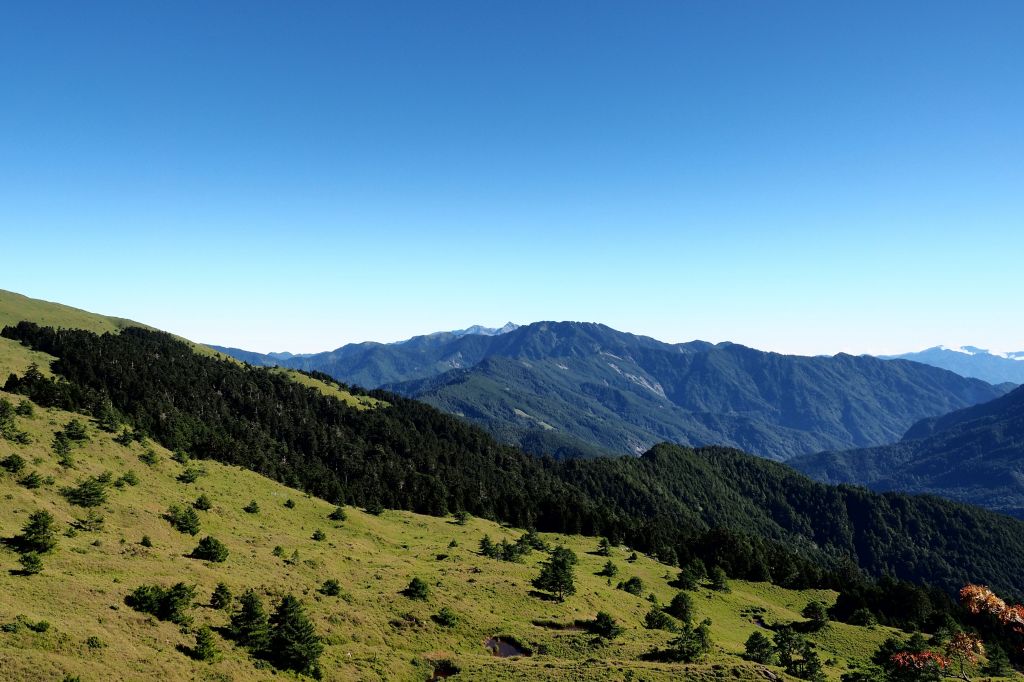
995	367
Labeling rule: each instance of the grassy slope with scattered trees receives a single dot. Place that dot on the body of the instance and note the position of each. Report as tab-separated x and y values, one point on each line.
371	630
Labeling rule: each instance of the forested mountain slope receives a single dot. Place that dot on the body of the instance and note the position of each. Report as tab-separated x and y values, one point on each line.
404	454
973	455
582	389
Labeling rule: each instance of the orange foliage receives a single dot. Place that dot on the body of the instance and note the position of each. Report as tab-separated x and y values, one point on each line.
980	599
920	661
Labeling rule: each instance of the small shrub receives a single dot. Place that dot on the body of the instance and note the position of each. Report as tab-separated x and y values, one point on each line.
13	463
170	604
183	519
656	619
124	438
289	503
632	557
319	535
251	508
127	478
203	503
191	475
604	626
146	542
149	457
210	549
278	551
75	430
93	522
181	457
91	492
375	508
633	585
461	517
31	480
331	588
681	607
40	626
338	515
417	589
24	409
446	618
94	642
609	570
31	563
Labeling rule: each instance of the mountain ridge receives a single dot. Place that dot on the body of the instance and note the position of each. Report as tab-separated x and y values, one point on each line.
573	387
973	455
971	361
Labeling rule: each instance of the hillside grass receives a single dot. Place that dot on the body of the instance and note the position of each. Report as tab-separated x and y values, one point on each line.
14	357
373	632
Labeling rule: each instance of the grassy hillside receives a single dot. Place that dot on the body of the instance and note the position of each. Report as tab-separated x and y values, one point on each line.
14	357
373	632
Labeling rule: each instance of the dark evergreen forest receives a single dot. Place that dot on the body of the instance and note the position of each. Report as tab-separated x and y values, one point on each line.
753	518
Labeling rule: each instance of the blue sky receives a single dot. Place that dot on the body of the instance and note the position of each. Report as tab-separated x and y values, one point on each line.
804	177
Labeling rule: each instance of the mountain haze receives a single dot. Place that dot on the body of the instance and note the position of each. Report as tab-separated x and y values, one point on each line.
973	455
572	388
970	361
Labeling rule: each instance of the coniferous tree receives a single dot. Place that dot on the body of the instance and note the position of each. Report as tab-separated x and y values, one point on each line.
210	549
203	503
31	563
249	624
62	448
556	574
604	626
294	643
206	647
417	589
221	598
717	579
609	570
38	535
692	644
817	615
252	508
681	607
758	648
604	547
338	515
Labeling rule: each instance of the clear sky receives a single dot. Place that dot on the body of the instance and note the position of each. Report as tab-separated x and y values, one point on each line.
806	177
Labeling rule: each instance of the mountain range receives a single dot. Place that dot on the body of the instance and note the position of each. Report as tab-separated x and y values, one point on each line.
584	389
973	455
971	361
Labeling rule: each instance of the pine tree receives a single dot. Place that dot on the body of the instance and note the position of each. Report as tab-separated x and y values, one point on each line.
38	534
252	508
294	644
62	448
221	598
692	644
758	648
718	580
556	574
417	589
604	626
338	514
604	547
817	614
210	549
249	625
206	648
487	547
681	607
31	563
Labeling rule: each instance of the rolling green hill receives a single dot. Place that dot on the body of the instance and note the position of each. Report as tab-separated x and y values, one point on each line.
580	389
371	631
